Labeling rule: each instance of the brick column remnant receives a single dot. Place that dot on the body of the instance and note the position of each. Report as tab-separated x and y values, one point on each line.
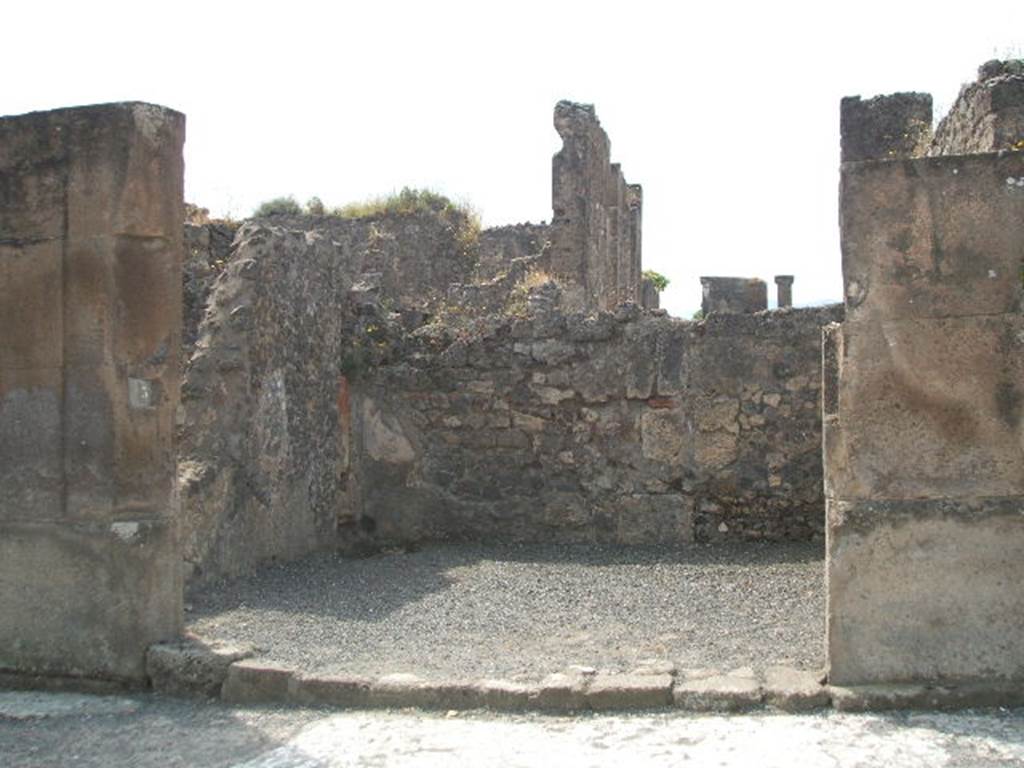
783	291
885	127
91	219
922	409
595	225
733	295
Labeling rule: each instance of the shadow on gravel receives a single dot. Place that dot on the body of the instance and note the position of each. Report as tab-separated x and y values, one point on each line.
525	610
371	587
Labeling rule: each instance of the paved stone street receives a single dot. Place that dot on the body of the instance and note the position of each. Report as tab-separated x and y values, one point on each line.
39	730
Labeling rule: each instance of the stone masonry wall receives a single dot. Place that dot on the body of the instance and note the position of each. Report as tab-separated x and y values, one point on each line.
264	457
91	218
988	115
616	428
596	217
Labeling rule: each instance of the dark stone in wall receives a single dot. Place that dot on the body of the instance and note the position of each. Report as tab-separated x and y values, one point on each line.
885	127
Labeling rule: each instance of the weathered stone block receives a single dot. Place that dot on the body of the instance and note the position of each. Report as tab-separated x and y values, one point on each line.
91	215
885	127
110	590
733	692
924	590
323	690
560	691
666	437
793	690
938	237
733	295
505	695
257	681
928	409
629	691
192	668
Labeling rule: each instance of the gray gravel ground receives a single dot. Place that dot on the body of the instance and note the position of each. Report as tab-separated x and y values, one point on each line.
520	612
48	730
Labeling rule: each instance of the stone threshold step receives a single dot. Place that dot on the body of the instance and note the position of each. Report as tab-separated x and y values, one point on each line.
234	675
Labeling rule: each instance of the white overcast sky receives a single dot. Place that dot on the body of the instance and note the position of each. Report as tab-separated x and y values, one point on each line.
726	113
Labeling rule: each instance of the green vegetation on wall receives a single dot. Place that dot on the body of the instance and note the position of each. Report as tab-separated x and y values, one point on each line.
659	280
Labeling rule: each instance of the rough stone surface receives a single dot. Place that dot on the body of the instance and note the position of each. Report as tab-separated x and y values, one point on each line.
610	428
733	295
207	247
885	127
629	691
988	115
710	692
257	681
265	455
923	427
794	690
192	668
91	219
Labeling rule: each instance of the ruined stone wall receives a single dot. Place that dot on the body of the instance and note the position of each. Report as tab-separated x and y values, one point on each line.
263	464
207	247
90	310
498	247
988	114
623	428
596	216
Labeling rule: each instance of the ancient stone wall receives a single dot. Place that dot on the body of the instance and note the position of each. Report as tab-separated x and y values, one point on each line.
616	428
264	459
498	247
596	218
923	424
90	306
207	247
988	115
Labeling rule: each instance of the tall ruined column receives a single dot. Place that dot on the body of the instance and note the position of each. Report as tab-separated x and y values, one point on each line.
595	220
924	447
91	214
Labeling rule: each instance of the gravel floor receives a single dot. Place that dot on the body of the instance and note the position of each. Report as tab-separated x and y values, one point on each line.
520	612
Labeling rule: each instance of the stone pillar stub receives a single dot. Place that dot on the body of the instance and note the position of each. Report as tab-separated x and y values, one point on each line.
922	412
91	211
650	296
783	291
733	295
888	127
